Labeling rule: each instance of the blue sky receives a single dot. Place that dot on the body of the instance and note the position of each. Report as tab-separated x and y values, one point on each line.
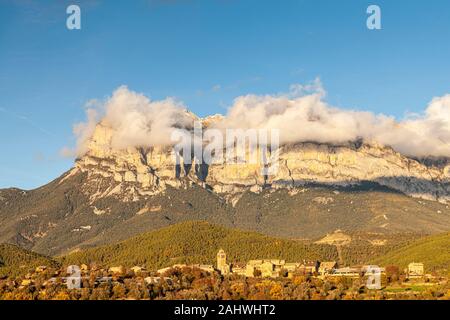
204	53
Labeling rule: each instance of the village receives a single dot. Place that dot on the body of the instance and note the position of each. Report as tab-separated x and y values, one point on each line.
275	268
76	277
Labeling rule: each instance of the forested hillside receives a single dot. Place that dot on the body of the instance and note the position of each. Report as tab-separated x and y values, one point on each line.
433	251
16	261
198	242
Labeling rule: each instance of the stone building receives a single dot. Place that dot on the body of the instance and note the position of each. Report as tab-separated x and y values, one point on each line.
117	270
222	265
415	269
239	268
327	267
204	267
265	268
137	269
347	272
308	267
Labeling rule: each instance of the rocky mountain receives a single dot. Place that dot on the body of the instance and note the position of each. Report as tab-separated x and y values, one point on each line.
152	169
112	194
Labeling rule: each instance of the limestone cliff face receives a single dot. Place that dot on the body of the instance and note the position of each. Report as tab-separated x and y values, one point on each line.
331	164
147	171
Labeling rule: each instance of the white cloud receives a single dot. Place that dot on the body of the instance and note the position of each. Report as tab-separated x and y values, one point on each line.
135	120
301	115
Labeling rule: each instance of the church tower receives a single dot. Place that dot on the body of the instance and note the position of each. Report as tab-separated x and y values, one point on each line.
221	259
222	265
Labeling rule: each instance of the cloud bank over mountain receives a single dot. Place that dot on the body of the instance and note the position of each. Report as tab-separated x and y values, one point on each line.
301	115
135	120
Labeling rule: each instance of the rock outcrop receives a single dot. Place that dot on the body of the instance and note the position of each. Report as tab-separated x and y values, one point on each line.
148	171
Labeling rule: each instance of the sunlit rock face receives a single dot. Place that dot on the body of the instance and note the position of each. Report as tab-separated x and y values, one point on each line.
347	165
137	172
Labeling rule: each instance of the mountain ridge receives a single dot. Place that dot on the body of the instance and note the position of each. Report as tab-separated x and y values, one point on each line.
153	168
112	194
61	216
